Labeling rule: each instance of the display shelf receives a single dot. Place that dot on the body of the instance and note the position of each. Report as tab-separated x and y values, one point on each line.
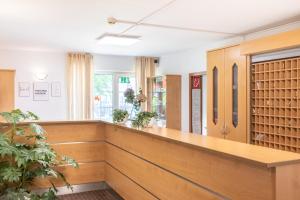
160	90
275	104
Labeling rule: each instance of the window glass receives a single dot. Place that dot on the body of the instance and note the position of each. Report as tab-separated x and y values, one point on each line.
235	95
109	91
124	82
215	95
103	96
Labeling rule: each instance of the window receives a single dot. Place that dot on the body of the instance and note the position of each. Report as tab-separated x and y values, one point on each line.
215	95
108	93
235	95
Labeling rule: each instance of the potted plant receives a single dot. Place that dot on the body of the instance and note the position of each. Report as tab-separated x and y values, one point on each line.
25	157
143	119
120	116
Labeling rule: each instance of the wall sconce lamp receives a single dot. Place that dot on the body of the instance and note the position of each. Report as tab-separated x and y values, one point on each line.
41	76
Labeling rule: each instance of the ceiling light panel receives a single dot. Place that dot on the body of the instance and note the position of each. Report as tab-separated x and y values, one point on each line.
118	40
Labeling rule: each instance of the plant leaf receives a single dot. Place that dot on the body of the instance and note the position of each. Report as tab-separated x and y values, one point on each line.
37	129
10	174
70	161
20	131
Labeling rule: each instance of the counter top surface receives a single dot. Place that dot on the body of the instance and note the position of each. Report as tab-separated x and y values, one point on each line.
263	156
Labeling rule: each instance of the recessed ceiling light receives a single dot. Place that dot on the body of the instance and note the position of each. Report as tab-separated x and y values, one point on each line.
118	40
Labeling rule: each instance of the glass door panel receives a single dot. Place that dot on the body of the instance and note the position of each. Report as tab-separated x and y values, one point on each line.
103	96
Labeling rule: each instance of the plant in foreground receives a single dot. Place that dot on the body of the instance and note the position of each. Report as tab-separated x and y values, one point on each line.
26	157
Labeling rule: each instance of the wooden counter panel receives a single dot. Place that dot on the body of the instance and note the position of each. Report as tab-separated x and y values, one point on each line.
86	173
82	152
161	183
288	182
84	132
232	178
124	186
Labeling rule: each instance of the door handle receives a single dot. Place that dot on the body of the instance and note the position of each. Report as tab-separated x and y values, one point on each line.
225	130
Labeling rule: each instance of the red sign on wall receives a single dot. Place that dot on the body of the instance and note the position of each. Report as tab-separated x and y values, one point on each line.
195	82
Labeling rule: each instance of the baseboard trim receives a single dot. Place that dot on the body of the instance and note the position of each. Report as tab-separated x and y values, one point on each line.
78	188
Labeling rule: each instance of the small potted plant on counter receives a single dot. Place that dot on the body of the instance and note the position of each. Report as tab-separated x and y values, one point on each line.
26	157
141	119
120	116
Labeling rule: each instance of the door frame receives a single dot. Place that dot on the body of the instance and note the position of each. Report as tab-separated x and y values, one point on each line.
190	98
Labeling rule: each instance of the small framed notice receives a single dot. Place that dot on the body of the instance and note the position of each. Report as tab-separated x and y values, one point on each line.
55	89
41	91
24	89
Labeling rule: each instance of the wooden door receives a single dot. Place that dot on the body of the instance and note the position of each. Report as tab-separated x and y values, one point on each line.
7	90
215	93
236	95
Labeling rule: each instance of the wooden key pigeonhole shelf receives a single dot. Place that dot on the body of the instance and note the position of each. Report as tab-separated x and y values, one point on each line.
275	104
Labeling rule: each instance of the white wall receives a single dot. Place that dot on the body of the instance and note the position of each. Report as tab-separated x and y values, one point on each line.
28	63
183	63
113	63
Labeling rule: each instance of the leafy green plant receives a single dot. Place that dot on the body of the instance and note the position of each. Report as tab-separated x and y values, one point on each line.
26	156
119	115
129	95
143	119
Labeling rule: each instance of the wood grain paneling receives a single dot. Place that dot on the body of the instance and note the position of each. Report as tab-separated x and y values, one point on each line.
215	60
124	186
159	182
173	102
86	173
7	90
83	132
82	152
232	56
288	182
215	172
280	41
168	164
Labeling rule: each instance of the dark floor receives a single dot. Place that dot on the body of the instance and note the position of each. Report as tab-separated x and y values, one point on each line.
92	195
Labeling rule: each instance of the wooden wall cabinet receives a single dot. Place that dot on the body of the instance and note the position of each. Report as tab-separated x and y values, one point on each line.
227	94
164	97
7	90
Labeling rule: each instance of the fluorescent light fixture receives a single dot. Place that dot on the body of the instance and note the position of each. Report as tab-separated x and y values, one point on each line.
117	40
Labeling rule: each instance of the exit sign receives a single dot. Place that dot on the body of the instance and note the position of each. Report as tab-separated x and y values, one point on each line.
124	79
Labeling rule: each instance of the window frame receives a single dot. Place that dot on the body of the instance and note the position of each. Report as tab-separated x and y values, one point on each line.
115	86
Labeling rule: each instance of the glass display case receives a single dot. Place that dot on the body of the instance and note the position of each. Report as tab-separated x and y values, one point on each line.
158	100
163	89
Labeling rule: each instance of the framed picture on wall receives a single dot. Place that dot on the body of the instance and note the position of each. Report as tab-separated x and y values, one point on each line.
41	91
24	89
55	89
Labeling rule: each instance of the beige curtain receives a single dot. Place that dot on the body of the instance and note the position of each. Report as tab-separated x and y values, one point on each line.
144	68
79	83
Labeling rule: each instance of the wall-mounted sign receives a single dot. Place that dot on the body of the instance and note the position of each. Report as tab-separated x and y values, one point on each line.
24	89
124	79
41	91
55	89
196	104
196	82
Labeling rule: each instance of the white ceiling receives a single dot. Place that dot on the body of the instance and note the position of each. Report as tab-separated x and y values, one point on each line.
74	25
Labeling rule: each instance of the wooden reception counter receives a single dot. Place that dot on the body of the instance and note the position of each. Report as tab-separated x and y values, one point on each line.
157	163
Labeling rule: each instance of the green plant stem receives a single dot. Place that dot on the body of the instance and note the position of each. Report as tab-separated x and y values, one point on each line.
13	132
